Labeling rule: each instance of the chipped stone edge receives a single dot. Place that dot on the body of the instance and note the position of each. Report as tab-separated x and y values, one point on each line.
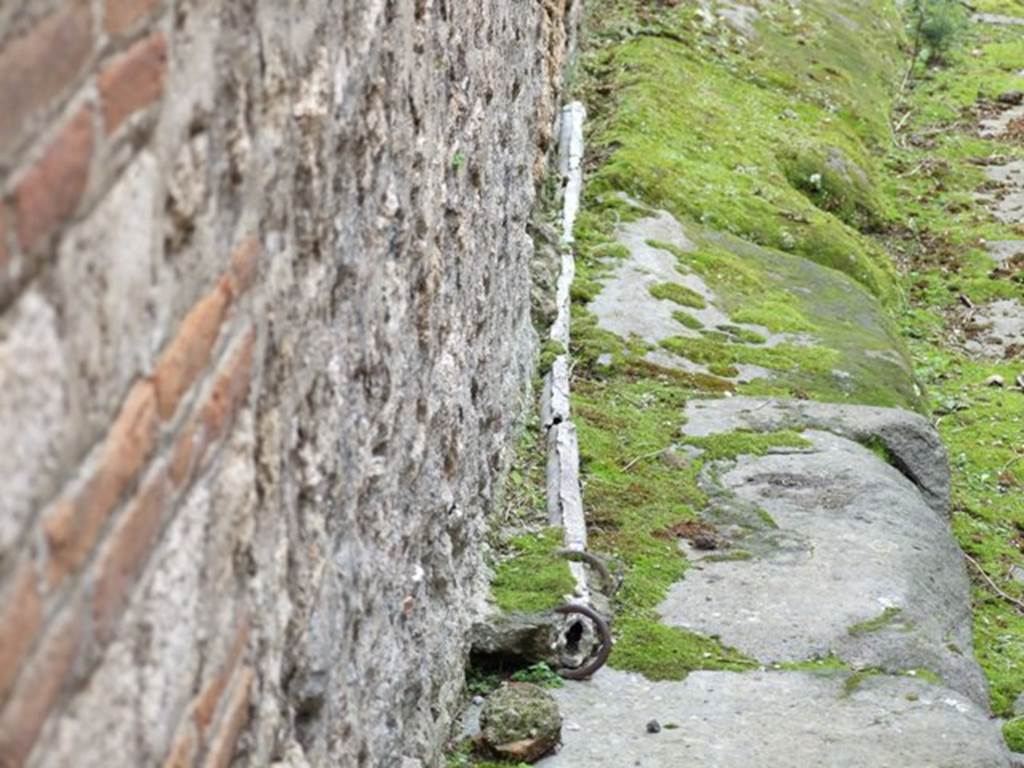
564	496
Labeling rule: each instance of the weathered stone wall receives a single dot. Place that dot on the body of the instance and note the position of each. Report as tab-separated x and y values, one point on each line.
264	334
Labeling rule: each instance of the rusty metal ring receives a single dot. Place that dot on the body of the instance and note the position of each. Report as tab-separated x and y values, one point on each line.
611	584
605	634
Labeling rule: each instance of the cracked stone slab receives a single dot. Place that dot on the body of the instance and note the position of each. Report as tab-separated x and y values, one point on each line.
625	306
776	719
998	19
851	562
915	446
1008	206
997	328
1004	251
999	124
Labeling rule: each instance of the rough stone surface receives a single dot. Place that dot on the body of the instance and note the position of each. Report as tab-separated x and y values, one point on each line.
778	719
836	570
996	329
521	722
533	638
1008	204
996	18
626	307
1003	251
914	445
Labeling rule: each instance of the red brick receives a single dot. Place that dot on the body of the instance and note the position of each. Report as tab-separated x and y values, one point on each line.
38	689
229	390
122	15
192	730
133	80
127	550
39	67
183	455
183	750
5	254
204	707
232	721
75	524
20	618
213	416
189	351
50	191
245	263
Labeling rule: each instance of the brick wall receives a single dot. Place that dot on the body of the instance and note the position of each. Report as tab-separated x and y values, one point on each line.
264	325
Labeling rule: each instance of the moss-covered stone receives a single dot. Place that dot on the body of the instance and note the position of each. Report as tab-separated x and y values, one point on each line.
520	721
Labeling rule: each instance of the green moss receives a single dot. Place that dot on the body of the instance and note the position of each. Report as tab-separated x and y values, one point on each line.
533	578
744	335
669	653
880	622
878	447
539	674
774	314
680	294
783	358
857	678
701	129
1013	732
828	664
688	320
550	350
723	369
729	445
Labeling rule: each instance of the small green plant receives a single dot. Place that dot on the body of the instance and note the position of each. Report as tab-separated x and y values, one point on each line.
458	160
539	674
936	25
1013	732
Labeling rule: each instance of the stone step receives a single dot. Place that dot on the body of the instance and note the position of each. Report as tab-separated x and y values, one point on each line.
842	554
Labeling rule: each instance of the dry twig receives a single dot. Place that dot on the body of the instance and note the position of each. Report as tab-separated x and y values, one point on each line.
995	587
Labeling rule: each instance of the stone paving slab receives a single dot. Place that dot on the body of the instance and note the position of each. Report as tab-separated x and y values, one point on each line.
851	562
773	720
914	444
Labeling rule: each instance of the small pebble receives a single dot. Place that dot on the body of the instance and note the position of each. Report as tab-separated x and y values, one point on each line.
996	381
654	727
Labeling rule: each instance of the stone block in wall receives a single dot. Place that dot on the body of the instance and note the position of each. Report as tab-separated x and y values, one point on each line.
33	429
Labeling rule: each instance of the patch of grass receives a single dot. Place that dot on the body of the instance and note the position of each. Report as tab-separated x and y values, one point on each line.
539	674
680	294
533	578
668	653
729	445
1013	732
688	320
550	350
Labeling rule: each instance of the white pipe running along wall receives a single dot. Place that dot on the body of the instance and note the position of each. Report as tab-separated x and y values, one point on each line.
565	501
